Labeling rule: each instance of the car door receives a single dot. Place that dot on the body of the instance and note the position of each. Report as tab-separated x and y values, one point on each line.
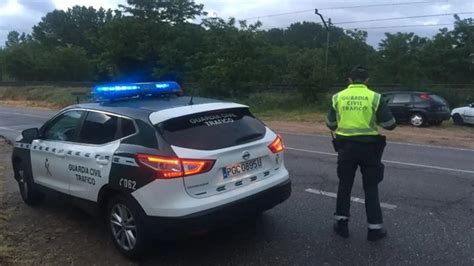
400	105
90	163
48	154
469	114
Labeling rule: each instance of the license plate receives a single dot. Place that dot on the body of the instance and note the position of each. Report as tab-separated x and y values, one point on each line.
242	167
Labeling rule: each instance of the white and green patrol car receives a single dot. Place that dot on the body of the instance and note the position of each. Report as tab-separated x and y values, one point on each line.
151	160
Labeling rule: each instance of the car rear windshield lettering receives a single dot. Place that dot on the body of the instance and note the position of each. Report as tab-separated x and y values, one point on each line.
213	120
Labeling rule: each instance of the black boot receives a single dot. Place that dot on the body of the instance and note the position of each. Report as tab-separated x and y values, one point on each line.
341	227
376	234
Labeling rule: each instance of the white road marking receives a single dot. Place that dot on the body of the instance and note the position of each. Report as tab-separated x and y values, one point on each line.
354	199
393	162
390	142
9	129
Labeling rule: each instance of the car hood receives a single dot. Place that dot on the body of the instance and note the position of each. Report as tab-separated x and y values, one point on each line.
458	110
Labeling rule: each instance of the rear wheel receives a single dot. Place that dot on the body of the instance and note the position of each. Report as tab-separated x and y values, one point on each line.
126	226
27	190
458	120
417	120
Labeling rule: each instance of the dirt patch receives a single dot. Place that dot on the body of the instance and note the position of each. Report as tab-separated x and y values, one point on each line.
6	250
462	137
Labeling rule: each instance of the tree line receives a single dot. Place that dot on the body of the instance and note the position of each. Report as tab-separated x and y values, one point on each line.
147	40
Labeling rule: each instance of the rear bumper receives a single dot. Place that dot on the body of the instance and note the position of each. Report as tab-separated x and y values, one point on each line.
438	116
223	214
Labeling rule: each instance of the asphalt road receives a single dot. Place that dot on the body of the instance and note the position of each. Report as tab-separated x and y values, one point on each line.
428	196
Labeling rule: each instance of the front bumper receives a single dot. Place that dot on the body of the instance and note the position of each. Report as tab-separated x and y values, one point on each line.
224	214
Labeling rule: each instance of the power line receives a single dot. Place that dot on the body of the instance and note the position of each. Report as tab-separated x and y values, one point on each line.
398	18
401	26
389	19
341	7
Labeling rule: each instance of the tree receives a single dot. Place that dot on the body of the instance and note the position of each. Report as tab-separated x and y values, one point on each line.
78	26
20	62
348	51
400	59
233	62
68	64
13	39
171	11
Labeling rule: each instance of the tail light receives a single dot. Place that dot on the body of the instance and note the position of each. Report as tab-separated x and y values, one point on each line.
425	97
171	167
277	145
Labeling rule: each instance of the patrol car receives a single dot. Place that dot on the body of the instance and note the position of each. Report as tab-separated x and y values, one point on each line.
153	160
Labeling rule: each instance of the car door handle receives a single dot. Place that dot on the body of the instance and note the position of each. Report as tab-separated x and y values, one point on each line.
102	161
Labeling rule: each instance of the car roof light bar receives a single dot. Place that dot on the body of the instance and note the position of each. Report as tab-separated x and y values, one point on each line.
121	91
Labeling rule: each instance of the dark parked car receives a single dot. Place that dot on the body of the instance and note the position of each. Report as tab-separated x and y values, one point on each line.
418	108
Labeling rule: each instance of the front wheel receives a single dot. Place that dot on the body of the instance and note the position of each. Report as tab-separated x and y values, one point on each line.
28	193
126	227
457	118
417	120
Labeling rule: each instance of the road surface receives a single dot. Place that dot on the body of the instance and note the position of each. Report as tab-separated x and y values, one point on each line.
427	195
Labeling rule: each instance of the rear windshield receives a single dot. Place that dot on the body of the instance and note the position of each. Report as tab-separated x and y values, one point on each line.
438	99
213	129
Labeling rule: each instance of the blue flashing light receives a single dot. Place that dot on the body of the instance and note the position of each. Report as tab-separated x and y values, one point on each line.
130	90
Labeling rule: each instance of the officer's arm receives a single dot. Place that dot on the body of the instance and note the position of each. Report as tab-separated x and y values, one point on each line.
385	118
331	120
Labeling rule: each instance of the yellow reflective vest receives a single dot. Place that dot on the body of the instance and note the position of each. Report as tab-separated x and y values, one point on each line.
356	109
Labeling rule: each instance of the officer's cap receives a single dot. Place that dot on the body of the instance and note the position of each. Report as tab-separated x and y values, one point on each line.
359	73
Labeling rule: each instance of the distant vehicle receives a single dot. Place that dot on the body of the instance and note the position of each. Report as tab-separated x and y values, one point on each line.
418	108
154	161
463	115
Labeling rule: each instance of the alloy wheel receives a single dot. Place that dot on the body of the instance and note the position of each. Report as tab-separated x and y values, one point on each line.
417	120
124	228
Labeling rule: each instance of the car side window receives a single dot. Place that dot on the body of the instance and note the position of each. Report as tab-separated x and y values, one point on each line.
387	98
64	127
99	128
417	99
401	98
127	127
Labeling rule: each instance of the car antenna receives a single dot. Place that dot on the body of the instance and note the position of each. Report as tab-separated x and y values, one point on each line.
191	102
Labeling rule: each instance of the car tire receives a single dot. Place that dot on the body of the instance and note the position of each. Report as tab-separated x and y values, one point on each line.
417	120
458	120
125	223
28	192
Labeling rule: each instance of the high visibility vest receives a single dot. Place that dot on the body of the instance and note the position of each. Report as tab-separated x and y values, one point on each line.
356	109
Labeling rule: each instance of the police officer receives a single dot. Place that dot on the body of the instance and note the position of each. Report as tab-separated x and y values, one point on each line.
354	116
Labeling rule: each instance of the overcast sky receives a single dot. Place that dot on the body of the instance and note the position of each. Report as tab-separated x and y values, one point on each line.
21	15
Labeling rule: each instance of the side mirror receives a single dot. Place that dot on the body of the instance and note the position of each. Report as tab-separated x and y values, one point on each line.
471	105
30	134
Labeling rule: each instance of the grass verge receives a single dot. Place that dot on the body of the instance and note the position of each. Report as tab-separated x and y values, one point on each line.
41	96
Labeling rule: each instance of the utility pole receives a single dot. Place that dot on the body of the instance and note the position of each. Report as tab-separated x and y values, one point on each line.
326	25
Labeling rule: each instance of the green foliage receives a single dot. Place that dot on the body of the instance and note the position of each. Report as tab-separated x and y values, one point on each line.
171	11
148	40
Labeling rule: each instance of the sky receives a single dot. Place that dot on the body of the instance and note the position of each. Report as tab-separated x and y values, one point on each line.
21	15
